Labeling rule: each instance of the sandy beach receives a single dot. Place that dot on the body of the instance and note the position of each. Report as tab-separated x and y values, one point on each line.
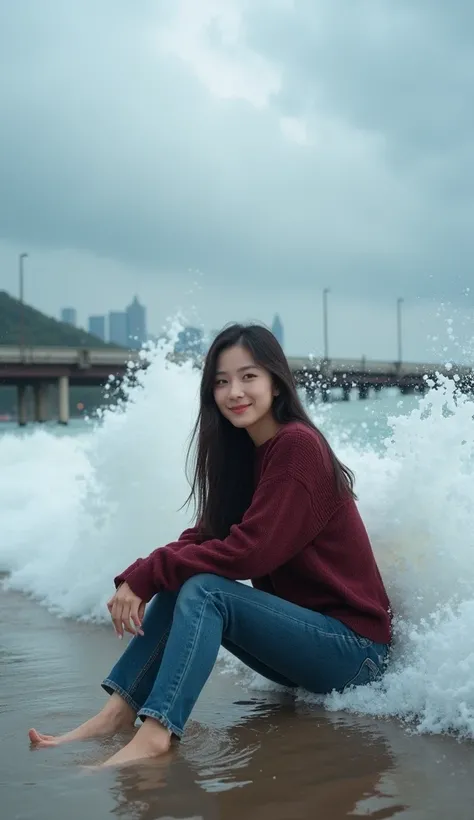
246	753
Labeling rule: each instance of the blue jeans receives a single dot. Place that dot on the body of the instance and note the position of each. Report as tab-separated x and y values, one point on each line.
162	673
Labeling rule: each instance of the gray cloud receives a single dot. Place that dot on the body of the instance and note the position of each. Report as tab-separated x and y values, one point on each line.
345	158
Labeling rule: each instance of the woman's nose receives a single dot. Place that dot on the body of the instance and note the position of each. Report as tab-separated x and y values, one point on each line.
236	389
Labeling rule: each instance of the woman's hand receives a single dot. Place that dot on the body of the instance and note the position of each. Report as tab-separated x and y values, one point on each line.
127	611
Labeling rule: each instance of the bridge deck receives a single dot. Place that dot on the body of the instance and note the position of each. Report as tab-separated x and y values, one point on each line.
87	359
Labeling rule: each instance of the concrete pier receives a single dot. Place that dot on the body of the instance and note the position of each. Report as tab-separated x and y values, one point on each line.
63	395
22	400
40	395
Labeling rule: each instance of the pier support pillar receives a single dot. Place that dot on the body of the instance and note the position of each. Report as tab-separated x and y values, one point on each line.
346	393
63	385
363	391
22	406
325	394
41	402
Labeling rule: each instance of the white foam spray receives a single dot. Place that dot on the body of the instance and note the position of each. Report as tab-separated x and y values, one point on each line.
76	510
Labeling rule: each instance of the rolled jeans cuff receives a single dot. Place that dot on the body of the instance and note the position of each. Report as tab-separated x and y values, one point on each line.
110	686
143	713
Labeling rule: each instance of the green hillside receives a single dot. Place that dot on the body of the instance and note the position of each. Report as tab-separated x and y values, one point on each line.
39	329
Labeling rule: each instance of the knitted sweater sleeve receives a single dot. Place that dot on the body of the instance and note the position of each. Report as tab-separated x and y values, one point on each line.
188	536
293	501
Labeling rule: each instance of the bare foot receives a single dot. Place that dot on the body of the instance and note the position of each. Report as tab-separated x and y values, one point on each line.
151	740
115	716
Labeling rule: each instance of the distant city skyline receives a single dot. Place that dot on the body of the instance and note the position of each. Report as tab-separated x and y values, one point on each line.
431	332
126	328
437	337
390	325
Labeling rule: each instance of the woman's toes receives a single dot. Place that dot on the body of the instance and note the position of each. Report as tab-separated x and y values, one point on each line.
37	737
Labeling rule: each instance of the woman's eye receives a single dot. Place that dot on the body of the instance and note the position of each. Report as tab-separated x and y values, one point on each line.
219	382
250	376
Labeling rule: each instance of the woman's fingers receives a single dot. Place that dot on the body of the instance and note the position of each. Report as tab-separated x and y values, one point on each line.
125	619
129	623
126	611
116	615
135	616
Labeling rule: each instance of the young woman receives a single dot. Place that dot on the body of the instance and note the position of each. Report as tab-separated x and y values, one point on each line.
274	505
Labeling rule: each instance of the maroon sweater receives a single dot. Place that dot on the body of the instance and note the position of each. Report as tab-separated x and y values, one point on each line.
299	540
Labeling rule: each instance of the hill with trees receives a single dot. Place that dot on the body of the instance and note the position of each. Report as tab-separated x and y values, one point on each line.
22	323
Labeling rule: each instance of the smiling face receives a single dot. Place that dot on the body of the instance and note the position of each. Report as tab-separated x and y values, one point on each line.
244	393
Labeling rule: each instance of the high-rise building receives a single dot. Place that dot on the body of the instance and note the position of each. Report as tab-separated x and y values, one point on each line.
97	326
69	316
190	340
277	329
136	324
118	328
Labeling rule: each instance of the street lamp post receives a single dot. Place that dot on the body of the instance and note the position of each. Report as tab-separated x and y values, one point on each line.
399	330
21	260
326	291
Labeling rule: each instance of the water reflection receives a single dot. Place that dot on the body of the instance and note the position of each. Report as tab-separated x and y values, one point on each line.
291	766
246	755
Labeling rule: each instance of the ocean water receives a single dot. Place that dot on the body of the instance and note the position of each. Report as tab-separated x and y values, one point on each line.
78	505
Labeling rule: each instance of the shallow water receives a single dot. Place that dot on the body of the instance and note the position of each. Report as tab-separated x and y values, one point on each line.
245	754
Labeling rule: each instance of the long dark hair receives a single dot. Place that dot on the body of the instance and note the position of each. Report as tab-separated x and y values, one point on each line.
223	473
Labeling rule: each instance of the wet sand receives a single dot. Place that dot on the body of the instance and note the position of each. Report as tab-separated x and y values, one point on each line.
246	754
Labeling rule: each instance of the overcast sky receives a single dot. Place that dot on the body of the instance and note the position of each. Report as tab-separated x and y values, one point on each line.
231	158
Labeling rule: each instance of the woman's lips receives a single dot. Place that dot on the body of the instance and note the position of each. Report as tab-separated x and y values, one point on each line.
240	409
